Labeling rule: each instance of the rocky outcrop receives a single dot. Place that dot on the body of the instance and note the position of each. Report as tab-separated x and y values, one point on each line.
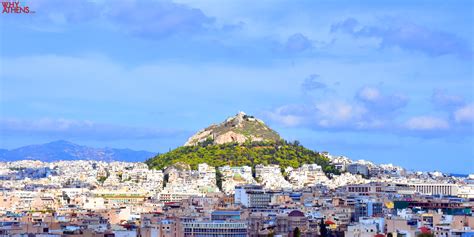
238	128
230	136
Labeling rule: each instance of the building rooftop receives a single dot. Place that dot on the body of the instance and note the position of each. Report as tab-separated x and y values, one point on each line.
296	213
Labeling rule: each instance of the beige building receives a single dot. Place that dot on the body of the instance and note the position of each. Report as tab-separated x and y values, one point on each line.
399	225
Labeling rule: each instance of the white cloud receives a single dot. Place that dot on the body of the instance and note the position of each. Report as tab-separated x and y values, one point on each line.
298	43
465	114
410	37
312	83
286	120
426	123
85	129
324	115
442	99
157	19
333	113
380	103
369	93
290	115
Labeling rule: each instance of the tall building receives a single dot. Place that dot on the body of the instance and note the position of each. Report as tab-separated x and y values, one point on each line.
252	196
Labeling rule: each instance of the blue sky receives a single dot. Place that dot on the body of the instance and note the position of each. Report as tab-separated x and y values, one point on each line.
386	81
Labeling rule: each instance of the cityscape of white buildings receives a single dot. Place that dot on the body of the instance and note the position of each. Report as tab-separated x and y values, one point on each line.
96	198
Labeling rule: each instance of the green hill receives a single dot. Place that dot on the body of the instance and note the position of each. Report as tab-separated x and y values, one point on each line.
240	140
248	153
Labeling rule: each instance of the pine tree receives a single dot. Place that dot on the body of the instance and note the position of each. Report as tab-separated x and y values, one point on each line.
297	232
323	229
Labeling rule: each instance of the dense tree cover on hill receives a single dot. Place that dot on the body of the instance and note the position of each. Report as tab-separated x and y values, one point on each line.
282	153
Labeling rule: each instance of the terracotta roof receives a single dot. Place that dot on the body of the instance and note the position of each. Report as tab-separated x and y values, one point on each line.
328	222
425	230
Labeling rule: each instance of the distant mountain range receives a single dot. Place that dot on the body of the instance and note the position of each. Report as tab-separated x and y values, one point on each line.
64	150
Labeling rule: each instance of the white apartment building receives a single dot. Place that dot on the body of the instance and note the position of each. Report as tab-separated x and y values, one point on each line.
436	188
